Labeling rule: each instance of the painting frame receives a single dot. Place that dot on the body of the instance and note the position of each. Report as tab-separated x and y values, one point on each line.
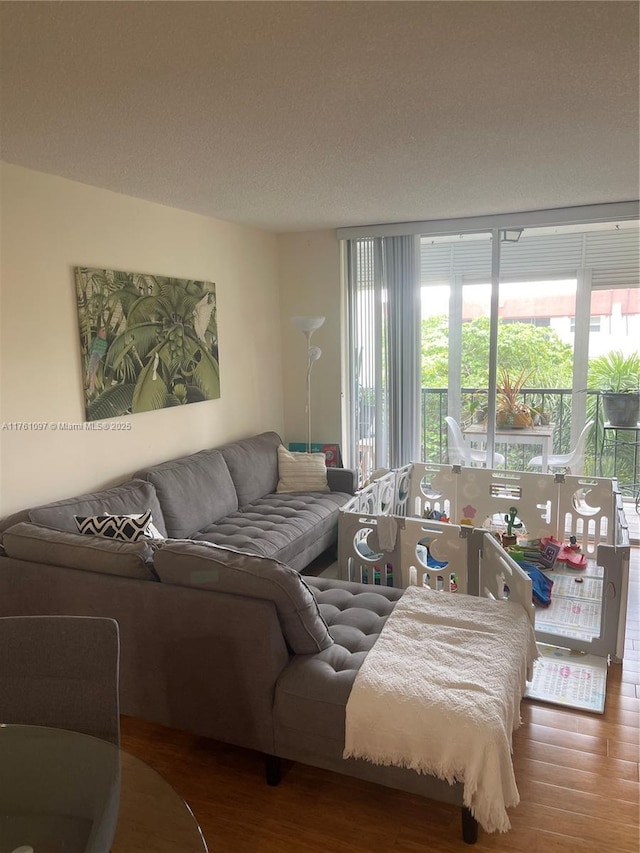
147	341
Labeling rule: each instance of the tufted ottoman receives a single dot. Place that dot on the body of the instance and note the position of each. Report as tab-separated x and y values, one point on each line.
312	691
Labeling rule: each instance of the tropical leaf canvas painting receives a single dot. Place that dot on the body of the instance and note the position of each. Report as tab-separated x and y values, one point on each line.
148	341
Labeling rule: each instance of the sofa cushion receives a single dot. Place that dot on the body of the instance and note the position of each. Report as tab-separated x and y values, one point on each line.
194	491
301	472
27	541
131	497
253	463
279	525
206	566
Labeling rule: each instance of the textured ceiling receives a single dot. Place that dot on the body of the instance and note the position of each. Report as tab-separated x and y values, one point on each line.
303	115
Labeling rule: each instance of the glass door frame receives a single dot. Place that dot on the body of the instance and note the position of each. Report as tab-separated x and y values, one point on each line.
580	346
493	224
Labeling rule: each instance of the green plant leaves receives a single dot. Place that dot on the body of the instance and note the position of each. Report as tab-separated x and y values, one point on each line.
112	403
615	372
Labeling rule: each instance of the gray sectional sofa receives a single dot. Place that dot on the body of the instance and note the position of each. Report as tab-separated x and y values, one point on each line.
222	640
224	495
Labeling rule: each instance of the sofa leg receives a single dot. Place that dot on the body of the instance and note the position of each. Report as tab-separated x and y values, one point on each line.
273	769
469	826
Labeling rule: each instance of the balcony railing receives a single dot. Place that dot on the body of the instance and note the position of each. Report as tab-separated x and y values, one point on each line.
602	458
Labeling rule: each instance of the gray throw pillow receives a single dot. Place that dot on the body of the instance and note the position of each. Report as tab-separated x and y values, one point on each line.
207	566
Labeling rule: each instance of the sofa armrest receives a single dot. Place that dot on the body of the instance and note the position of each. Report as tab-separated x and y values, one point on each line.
342	480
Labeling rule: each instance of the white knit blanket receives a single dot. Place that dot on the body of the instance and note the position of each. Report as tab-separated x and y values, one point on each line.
440	693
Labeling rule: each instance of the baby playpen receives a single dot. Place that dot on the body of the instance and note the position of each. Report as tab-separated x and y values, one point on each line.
435	525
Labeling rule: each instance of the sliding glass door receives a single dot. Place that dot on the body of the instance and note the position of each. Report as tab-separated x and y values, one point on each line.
521	342
510	321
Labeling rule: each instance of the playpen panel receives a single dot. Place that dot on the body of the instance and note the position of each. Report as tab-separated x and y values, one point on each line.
386	492
592	622
587	510
502	578
433	554
376	498
432	487
402	488
485	497
369	549
615	561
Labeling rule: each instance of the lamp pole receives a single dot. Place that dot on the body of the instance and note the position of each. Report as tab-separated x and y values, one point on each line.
308	325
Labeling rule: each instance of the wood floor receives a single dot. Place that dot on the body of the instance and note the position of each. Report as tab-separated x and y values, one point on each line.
577	774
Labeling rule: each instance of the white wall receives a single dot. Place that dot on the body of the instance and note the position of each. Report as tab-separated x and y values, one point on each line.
310	274
48	225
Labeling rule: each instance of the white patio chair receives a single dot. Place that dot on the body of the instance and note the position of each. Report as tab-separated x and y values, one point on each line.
571	462
460	454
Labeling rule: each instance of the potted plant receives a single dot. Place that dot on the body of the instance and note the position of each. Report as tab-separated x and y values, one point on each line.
510	410
541	417
478	407
618	378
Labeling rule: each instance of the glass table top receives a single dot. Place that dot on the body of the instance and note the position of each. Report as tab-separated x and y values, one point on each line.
66	792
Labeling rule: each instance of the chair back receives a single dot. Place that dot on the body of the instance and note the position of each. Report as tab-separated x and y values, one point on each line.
576	456
61	671
457	448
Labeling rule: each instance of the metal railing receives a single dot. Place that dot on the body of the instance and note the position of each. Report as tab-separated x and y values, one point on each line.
608	453
603	457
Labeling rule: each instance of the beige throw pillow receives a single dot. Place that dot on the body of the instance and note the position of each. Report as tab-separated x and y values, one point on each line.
301	472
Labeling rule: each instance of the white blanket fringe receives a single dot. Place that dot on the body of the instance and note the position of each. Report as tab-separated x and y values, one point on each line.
440	693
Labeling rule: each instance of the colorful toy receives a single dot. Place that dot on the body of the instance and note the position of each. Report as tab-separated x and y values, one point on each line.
512	524
569	554
576	561
549	550
434	515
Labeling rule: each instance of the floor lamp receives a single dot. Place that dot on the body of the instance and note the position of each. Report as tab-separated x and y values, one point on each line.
308	325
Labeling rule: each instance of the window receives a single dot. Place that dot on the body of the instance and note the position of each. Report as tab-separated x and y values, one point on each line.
595	324
472	293
532	321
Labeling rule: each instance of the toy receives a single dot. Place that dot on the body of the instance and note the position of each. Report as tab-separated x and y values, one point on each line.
571	558
569	554
434	515
509	538
512	524
549	550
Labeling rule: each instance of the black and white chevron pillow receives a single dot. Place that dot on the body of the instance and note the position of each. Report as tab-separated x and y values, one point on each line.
129	528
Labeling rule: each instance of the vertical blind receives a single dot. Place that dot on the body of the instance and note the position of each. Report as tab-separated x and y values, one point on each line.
384	326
